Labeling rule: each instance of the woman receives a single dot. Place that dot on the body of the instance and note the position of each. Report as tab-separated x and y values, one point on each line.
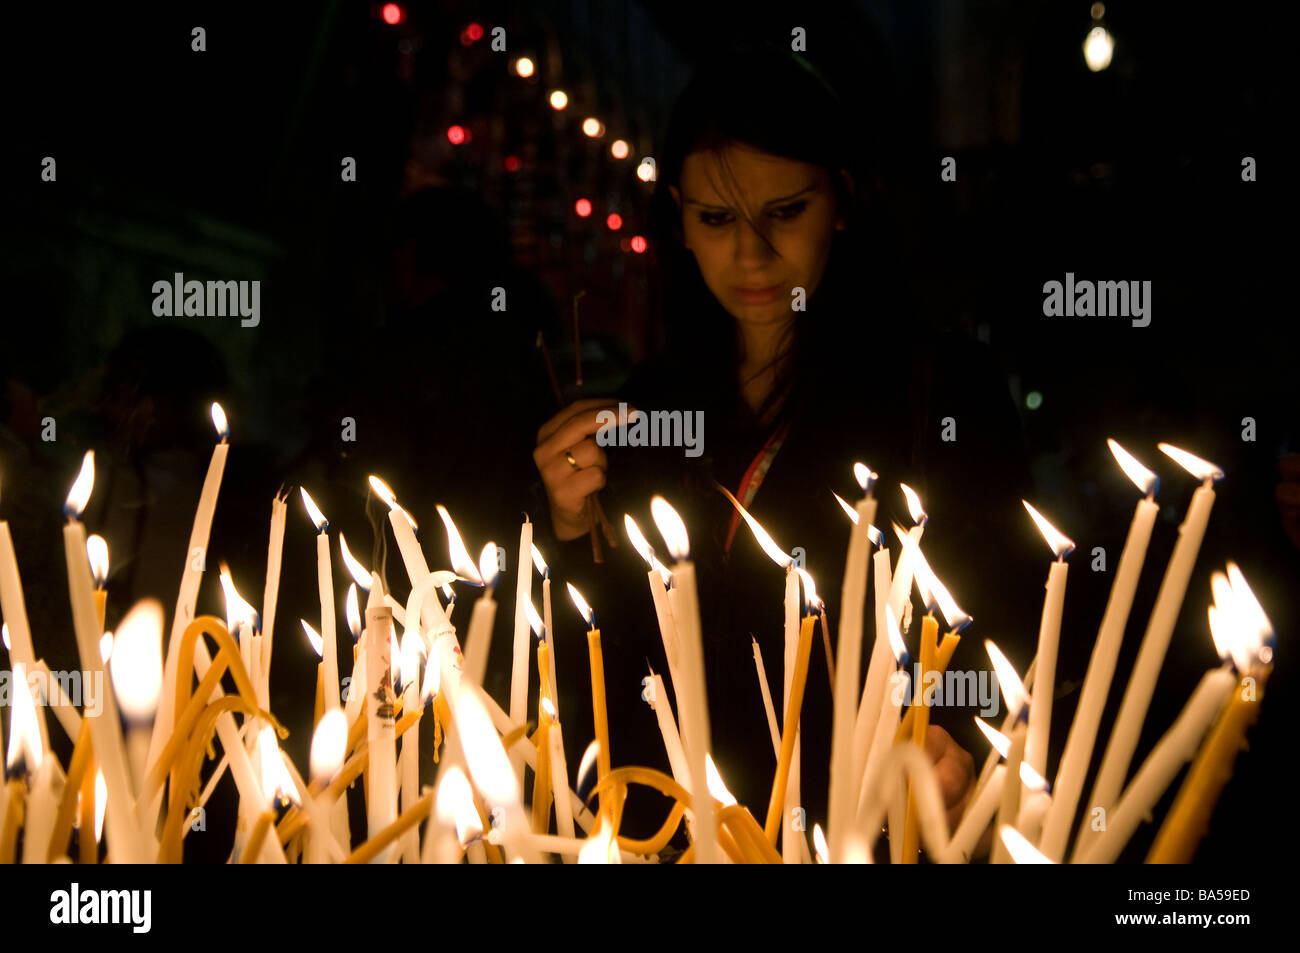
788	329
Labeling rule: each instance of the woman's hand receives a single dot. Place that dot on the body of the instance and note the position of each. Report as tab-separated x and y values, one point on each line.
572	465
955	770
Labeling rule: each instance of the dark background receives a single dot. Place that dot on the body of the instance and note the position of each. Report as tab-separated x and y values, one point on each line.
225	164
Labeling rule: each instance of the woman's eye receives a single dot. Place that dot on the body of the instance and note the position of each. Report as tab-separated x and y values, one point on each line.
789	211
714	218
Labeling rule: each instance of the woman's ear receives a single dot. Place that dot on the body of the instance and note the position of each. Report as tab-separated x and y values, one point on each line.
847	188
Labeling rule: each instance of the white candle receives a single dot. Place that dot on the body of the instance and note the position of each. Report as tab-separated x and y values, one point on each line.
328	749
271	594
545	571
196	556
910	763
1155	643
882	659
766	692
658	578
521	647
14	608
381	802
848	662
1175	749
105	734
1017	700
410	756
790	838
479	643
325	588
1101	666
976	820
1049	639
404	531
891	705
693	699
27	753
559	779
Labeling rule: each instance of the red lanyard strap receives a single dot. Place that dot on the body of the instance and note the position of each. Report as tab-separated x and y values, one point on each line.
754	475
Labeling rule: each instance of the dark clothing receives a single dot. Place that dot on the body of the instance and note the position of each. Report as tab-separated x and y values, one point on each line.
893	421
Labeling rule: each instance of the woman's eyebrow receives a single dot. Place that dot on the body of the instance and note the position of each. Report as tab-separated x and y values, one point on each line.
776	201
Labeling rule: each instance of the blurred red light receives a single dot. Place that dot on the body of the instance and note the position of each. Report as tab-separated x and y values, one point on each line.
457	135
615	221
393	14
512	163
638	244
582	207
474	31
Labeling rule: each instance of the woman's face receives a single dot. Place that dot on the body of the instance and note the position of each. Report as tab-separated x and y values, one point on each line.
791	202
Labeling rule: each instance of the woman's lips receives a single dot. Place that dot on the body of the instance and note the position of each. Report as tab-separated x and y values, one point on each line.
758	295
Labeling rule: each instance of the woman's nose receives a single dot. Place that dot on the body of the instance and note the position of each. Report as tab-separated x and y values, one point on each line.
751	248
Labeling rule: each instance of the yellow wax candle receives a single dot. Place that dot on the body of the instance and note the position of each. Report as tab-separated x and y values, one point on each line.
257	838
920	725
780	782
542	781
1188	819
320	694
87	842
598	707
15	795
81	758
940	660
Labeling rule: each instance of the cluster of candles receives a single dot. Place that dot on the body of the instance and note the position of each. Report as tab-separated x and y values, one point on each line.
136	773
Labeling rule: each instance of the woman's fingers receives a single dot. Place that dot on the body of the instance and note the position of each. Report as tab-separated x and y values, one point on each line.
577	407
576	428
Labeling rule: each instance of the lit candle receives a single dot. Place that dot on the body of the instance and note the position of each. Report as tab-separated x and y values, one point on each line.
1101	666
520	648
886	722
328	749
411	645
404	528
976	819
1049	639
485	612
106	736
692	701
545	572
789	729
1155	642
455	823
137	671
196	557
559	772
1252	656
901	584
14	608
1035	803
658	577
848	656
597	665
1018	847
1018	706
902	761
28	759
882	656
329	651
317	644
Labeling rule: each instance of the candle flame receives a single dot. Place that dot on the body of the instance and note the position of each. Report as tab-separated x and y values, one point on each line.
715	784
769	546
584	609
106	647
587	764
276	783
4	634
600	848
24	731
1145	480
548	710
924	578
314	637
358	572
488	764
352	609
538	562
79	495
810	600
238	611
1013	689
449	592
1031	778
876	537
454	806
819	845
137	669
914	505
896	642
101	802
1252	610
97	553
1021	851
850	511
1000	742
329	744
534	620
460	559
1061	545
671	528
1219	632
638	540
489	565
1203	470
383	491
865	477
953	614
219	421
313	511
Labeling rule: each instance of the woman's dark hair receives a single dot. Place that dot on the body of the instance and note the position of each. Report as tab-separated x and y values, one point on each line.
777	102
